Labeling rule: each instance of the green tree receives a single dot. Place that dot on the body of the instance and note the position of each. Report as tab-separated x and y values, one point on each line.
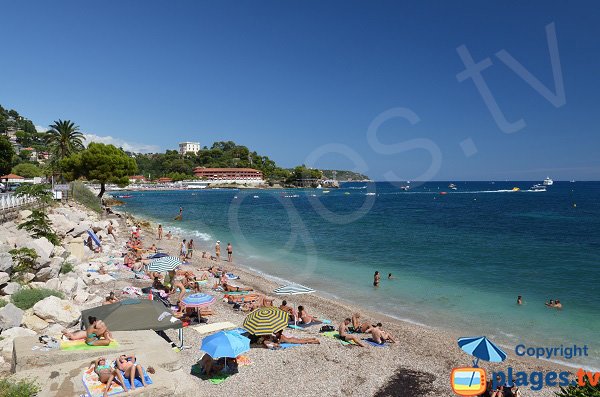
27	170
24	259
38	225
102	163
64	139
6	154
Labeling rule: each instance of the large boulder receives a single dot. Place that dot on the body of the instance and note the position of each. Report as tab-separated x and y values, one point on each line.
53	283
6	262
76	248
10	316
27	277
4	278
11	288
61	224
47	273
81	228
43	247
24	214
68	285
56	310
6	344
34	323
81	297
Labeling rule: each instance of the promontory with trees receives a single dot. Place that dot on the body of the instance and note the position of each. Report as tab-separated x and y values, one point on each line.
61	152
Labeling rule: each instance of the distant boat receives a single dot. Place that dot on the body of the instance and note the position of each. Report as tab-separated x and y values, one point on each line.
443	193
515	189
538	188
452	186
126	196
548	181
346	192
325	191
370	194
405	188
319	186
255	196
572	180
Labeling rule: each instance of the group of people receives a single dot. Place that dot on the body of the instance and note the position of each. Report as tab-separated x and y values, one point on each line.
124	367
553	303
377	278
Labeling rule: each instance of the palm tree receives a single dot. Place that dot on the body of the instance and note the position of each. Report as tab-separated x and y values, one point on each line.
64	138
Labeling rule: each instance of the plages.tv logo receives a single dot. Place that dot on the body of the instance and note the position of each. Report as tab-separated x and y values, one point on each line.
471	381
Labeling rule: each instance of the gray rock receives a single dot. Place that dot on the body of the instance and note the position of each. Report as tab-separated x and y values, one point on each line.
34	323
4	278
27	277
10	316
56	310
6	262
11	288
53	283
47	273
43	247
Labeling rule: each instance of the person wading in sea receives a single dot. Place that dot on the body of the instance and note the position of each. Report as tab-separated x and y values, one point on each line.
376	278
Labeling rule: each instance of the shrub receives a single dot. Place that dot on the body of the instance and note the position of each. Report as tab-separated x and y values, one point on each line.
24	259
85	196
22	388
26	298
3	303
38	225
66	267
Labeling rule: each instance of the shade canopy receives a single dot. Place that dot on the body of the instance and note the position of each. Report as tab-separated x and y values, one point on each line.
133	315
266	321
165	264
225	344
482	348
198	300
293	289
159	255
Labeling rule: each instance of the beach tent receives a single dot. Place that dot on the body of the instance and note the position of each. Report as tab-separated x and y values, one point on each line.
293	289
133	315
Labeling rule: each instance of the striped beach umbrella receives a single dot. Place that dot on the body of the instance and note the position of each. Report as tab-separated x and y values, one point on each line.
293	289
165	264
482	348
198	300
266	321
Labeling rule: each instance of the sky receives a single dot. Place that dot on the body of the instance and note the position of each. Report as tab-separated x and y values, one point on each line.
374	86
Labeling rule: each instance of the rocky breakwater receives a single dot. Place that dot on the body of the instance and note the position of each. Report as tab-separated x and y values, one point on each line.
45	293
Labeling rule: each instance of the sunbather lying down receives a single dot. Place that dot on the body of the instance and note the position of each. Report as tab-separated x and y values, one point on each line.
106	374
281	338
230	288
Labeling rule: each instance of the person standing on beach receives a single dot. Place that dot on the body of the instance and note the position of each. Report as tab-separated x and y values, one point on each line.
218	250
111	230
376	279
183	250
190	248
160	232
229	251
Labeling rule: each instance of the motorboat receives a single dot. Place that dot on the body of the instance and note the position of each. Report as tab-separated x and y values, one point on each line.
548	181
452	186
515	189
405	188
538	188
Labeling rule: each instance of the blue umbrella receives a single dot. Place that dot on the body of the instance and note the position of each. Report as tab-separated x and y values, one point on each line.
198	300
481	348
225	344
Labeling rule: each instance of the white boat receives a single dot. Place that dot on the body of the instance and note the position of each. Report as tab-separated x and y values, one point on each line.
196	185
538	188
319	186
405	188
452	186
548	181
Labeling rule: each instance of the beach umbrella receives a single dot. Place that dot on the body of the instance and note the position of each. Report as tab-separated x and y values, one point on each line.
165	264
481	348
225	344
266	321
159	255
198	300
293	289
94	237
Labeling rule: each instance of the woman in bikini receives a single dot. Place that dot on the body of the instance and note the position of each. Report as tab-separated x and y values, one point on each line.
106	374
304	316
357	326
97	328
128	366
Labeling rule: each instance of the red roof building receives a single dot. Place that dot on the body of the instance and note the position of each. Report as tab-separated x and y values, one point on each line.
164	180
238	174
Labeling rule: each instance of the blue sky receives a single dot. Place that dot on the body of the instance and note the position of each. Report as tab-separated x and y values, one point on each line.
288	78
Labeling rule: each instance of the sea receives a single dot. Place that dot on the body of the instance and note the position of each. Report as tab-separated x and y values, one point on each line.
458	258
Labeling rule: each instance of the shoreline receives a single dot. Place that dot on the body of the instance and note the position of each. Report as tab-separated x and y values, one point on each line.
422	348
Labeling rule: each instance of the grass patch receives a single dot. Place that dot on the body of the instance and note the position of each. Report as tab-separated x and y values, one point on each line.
3	303
22	388
66	267
26	298
84	196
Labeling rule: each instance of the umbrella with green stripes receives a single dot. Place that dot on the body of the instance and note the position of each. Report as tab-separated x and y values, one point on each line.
165	264
266	321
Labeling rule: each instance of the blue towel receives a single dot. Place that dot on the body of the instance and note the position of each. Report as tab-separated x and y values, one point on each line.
288	345
136	381
373	343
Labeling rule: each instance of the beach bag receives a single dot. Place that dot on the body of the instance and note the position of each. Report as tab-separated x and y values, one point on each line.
327	328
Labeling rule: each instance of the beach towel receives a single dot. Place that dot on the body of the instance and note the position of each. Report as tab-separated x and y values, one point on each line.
215	380
302	325
336	335
75	345
95	388
237	293
288	345
373	343
137	381
208	328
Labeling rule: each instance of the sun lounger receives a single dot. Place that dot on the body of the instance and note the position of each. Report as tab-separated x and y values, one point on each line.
208	328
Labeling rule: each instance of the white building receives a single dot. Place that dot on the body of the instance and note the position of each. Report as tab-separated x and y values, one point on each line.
185	147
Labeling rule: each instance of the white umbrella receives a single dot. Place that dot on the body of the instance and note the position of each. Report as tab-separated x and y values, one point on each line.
293	289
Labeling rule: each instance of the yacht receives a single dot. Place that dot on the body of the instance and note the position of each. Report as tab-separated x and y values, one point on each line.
548	181
405	188
538	188
452	186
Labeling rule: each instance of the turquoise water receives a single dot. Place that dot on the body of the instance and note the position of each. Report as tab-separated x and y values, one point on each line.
459	260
